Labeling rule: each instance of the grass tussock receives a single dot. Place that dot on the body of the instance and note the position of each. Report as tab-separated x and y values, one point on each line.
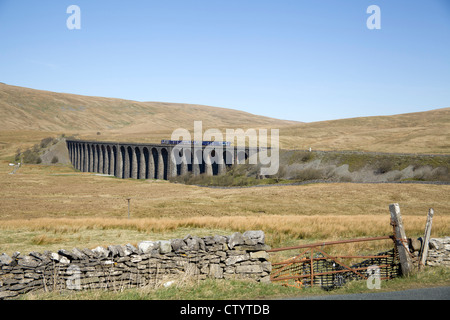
301	227
280	231
43	239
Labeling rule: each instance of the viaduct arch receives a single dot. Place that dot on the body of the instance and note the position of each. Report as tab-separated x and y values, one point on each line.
150	161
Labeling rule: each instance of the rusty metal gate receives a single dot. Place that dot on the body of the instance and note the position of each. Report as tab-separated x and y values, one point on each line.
314	267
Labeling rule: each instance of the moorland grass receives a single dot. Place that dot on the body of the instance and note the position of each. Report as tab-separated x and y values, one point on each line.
55	207
49	206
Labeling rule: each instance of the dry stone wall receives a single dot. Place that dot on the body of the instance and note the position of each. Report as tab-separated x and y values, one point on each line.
439	252
238	256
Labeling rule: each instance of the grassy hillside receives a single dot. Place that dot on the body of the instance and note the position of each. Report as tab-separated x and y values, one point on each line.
30	115
420	132
37	110
55	112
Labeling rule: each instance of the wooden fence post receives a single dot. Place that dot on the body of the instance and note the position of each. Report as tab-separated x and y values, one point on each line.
426	239
128	199
400	240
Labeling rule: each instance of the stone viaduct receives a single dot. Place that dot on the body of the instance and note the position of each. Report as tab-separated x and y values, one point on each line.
151	161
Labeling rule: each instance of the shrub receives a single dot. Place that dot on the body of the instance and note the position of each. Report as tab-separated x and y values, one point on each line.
31	156
306	156
17	155
384	166
46	142
55	159
309	174
301	156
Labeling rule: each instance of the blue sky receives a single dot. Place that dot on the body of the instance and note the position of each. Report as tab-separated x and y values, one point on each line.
303	60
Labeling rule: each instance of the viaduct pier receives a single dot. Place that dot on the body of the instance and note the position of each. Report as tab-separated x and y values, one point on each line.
154	161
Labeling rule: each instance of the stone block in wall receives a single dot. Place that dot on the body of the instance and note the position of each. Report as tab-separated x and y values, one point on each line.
5	259
8	294
252	268
220	239
43	257
90	279
255	236
100	252
266	266
249	238
229	269
208	240
216	247
78	254
263	255
236	258
235	239
134	259
165	247
114	251
129	249
59	258
32	275
435	244
178	245
194	243
147	246
257	247
28	262
235	252
67	254
215	271
88	253
54	256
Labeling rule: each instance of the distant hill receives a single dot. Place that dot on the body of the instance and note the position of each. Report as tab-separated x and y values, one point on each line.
419	132
24	108
28	115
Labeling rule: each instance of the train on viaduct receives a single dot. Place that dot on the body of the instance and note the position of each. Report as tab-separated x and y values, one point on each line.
154	161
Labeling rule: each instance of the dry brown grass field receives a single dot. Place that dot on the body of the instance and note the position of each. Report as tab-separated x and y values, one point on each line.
52	207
